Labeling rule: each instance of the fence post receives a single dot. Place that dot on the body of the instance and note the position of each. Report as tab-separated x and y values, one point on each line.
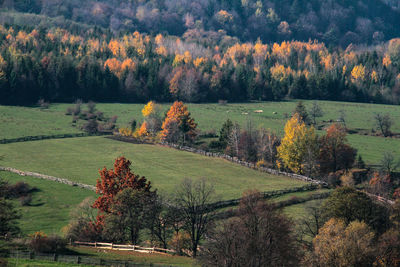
78	260
55	257
95	244
31	255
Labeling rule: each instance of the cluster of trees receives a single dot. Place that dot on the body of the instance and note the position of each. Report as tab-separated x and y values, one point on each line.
177	126
346	229
300	151
335	22
94	120
127	205
57	65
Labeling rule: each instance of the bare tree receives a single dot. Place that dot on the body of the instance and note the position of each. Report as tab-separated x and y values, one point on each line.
267	144
311	223
388	163
259	236
315	112
193	199
342	117
234	139
384	123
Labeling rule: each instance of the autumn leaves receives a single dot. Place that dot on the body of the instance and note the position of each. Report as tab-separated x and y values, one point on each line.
177	126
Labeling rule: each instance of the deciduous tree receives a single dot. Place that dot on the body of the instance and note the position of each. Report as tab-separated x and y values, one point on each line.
112	182
338	244
335	154
259	236
178	124
298	148
193	199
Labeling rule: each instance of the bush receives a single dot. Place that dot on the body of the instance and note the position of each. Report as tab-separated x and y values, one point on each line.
261	164
25	200
40	242
180	242
91	126
19	189
43	104
214	145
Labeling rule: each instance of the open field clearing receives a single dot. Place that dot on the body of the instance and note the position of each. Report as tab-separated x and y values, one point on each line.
21	121
51	204
26	121
79	159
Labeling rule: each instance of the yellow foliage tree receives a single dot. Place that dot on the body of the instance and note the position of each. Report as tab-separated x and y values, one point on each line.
358	73
297	150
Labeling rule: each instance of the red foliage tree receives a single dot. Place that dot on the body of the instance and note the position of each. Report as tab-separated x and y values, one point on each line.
112	182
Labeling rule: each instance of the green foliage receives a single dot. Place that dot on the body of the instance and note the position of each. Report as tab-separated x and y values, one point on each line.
8	219
348	204
224	133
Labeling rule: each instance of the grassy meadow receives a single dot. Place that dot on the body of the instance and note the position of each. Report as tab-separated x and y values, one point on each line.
51	204
25	121
79	159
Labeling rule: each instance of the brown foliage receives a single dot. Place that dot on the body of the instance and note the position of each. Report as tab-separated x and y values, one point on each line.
259	236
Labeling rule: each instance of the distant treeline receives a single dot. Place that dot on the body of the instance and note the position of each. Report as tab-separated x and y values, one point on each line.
56	65
335	22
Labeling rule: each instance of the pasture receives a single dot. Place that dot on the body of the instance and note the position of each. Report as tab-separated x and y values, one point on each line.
51	204
23	121
79	159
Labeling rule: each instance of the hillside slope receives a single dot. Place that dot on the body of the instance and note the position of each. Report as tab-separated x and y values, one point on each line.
332	21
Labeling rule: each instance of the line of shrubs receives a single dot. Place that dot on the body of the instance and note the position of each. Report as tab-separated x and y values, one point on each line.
41	137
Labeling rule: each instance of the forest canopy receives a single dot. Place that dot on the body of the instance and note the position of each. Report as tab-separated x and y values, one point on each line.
56	64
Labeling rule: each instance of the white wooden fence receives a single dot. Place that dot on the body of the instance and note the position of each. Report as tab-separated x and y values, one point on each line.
126	247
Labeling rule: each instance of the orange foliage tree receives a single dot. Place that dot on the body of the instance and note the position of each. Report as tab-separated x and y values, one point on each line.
178	124
112	182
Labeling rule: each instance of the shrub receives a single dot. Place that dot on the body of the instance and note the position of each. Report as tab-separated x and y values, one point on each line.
91	126
25	200
214	144
261	164
40	242
43	104
19	189
180	242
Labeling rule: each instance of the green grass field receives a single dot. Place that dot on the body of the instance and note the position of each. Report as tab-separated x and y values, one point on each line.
51	204
27	121
40	263
22	121
79	159
141	258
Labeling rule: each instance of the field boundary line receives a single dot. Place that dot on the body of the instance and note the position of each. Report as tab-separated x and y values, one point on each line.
46	137
222	156
49	178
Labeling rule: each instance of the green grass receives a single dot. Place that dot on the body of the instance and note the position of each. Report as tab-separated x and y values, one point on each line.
40	263
51	204
79	159
22	121
299	194
28	121
141	258
299	211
